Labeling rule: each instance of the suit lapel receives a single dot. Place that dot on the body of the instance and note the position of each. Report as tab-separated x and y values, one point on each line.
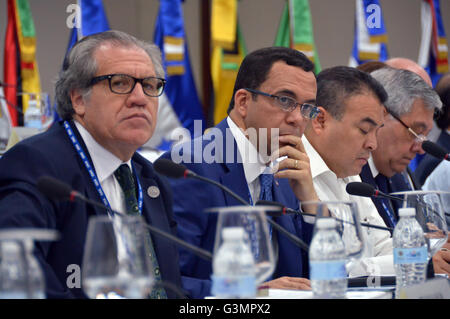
153	210
234	170
89	190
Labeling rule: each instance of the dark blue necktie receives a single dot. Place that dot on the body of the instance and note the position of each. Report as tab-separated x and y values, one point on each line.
125	178
266	181
382	182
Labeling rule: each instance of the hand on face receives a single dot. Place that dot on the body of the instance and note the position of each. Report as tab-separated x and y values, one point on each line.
295	167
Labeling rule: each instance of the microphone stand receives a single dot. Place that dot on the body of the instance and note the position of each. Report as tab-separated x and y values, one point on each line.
294	239
198	251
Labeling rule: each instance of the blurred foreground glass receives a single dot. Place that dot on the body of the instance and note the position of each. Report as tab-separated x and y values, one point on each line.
21	276
348	225
116	261
429	214
253	220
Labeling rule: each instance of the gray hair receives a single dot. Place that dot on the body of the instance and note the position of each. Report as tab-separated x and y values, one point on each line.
80	65
403	88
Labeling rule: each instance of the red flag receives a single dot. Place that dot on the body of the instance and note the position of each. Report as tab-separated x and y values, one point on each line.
11	62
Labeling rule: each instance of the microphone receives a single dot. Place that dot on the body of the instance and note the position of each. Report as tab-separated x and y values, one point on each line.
367	190
58	190
435	150
171	169
282	210
10	104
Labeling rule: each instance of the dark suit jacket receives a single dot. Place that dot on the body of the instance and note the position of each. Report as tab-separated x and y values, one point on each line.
22	205
429	162
199	228
396	183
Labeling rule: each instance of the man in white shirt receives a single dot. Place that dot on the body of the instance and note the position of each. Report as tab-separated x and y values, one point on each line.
339	142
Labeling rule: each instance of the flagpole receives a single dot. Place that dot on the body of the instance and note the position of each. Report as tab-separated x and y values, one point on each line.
205	13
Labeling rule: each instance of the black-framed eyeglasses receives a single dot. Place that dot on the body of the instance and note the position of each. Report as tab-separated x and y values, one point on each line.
124	84
418	138
288	104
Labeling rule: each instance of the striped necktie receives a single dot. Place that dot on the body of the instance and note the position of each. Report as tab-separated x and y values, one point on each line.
125	178
266	181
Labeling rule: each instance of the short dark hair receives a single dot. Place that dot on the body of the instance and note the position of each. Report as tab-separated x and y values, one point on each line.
442	118
256	65
337	84
371	66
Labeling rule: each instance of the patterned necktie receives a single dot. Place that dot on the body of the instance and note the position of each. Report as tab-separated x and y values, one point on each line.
382	183
125	178
266	181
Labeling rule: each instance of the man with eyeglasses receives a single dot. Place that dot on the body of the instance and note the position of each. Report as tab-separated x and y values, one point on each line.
107	96
409	118
273	100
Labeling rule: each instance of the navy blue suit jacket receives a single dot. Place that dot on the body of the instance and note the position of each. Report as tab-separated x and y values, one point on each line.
191	197
429	162
396	183
22	205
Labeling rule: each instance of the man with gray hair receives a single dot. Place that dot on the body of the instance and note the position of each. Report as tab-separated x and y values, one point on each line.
107	96
409	118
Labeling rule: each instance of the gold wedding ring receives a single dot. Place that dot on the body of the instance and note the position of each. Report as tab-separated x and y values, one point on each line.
296	164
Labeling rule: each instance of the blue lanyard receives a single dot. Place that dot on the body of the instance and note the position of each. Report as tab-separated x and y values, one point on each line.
388	212
92	174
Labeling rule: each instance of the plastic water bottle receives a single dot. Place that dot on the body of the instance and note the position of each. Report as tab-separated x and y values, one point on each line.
234	267
20	274
327	261
410	251
32	116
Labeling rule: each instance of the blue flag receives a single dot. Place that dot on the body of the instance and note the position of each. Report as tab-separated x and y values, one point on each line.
179	106
91	18
433	54
370	33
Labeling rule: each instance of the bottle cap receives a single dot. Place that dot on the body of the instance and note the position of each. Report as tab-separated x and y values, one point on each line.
233	233
10	246
407	211
325	223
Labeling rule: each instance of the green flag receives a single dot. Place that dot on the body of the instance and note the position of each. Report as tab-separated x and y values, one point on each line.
295	30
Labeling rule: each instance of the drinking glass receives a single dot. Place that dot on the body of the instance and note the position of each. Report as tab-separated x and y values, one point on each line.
253	220
21	276
430	215
116	261
348	225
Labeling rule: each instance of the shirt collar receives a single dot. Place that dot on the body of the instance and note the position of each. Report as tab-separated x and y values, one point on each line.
373	168
105	162
251	160
317	164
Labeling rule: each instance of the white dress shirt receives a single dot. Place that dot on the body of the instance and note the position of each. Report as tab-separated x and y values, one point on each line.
377	258
105	163
439	180
252	161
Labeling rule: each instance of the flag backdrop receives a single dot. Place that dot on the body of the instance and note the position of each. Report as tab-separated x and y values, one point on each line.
296	31
5	122
433	54
21	71
228	51
370	33
180	105
91	19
